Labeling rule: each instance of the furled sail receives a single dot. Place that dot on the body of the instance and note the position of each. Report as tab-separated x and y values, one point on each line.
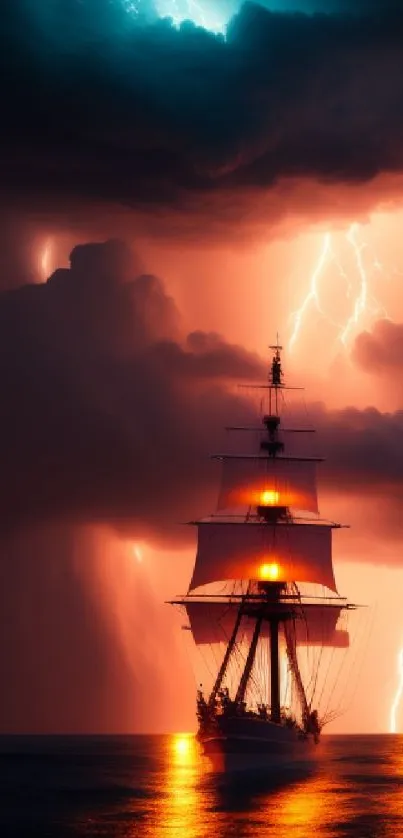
277	481
265	552
315	625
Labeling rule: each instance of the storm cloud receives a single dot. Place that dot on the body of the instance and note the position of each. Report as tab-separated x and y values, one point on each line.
110	409
146	115
380	350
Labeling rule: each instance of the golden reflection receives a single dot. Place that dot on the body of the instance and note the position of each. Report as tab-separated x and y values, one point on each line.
320	798
183	745
308	804
179	804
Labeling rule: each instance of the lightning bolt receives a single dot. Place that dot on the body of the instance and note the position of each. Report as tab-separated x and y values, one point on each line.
313	296
362	303
362	298
398	696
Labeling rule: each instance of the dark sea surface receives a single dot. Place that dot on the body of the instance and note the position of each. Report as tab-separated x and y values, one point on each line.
119	787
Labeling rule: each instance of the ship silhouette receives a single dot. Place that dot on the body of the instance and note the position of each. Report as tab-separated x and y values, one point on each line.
269	546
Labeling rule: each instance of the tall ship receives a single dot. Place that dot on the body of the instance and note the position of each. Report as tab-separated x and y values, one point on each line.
263	597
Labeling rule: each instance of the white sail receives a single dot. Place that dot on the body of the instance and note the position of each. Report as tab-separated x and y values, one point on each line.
265	552
268	481
314	625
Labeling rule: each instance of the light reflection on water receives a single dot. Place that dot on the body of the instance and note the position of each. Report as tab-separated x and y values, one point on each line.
157	787
180	805
355	789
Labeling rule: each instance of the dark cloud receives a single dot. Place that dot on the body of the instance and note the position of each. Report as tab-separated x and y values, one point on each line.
21	264
148	115
107	415
362	448
107	410
380	351
363	471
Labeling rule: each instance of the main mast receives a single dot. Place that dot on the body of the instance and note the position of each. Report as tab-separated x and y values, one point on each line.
272	513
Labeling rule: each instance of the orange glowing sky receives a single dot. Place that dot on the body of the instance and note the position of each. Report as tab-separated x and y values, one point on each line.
261	179
238	300
248	291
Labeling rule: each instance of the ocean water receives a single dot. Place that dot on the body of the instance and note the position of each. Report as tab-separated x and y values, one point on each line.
155	787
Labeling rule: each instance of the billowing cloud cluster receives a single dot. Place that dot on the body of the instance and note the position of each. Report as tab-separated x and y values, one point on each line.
109	410
381	350
149	114
363	450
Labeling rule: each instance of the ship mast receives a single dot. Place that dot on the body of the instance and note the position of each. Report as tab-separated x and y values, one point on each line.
271	514
271	610
275	376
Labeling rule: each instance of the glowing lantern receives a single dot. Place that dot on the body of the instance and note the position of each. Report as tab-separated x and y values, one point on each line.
270	571
269	497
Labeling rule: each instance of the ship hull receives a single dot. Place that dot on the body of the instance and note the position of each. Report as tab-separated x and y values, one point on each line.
257	745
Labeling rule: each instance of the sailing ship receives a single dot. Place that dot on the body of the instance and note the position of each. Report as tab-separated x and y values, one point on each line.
268	544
